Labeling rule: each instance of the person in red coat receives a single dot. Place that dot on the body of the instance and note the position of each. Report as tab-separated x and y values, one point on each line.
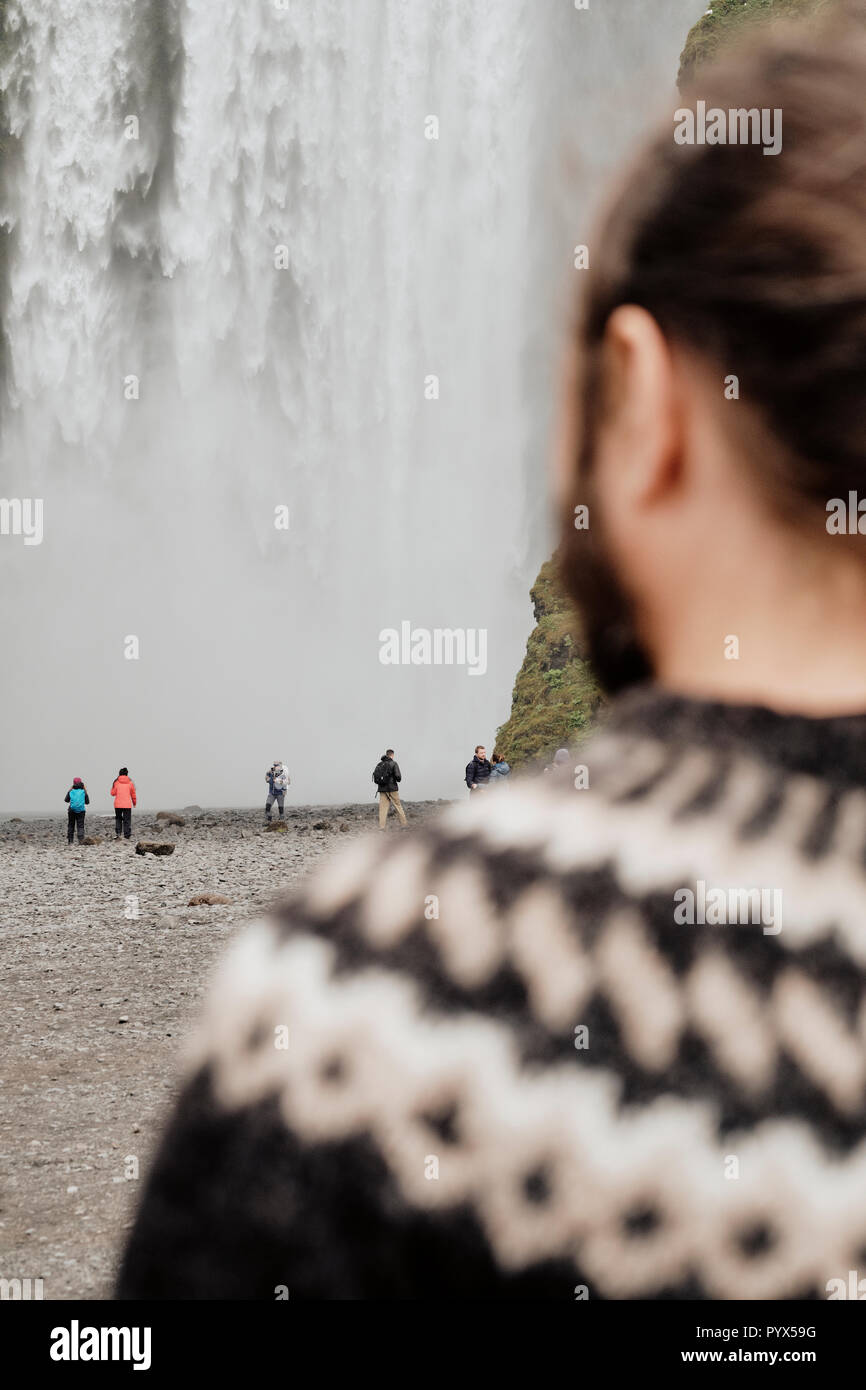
123	791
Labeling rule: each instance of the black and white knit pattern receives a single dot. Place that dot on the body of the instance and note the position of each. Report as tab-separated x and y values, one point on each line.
431	1128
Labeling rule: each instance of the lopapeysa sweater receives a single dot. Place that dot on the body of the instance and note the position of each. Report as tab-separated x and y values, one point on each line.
605	1040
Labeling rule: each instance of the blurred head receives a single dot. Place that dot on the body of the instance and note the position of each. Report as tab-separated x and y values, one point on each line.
77	782
716	400
389	752
124	772
480	751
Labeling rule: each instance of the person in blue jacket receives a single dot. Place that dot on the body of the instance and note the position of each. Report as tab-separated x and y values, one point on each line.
78	799
499	770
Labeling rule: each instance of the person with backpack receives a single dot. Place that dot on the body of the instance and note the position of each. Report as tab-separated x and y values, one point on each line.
77	799
478	771
499	770
387	776
278	780
123	791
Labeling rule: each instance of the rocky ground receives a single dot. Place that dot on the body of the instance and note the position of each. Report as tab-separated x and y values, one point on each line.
102	960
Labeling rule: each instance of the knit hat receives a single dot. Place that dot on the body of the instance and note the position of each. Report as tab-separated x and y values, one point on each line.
77	782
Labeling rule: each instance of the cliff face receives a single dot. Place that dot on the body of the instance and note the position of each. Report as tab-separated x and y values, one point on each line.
726	20
555	694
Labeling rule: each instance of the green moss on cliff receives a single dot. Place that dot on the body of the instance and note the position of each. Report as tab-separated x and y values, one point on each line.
727	19
555	695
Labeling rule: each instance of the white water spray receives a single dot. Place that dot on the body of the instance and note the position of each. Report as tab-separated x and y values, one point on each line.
310	256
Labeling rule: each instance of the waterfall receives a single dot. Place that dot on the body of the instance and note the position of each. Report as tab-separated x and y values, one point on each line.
287	255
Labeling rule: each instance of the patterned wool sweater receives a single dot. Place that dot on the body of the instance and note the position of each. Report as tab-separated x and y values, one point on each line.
513	1070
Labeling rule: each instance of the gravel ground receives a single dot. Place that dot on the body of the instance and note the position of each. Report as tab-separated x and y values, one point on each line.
96	1001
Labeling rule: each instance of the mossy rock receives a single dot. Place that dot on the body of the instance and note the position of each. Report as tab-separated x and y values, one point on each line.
555	694
727	20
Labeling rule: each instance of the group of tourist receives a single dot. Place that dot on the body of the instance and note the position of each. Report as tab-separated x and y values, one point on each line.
123	795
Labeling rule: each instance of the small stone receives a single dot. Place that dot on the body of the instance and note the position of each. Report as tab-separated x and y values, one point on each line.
124	1018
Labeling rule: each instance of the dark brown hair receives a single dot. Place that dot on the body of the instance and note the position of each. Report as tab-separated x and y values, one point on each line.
758	262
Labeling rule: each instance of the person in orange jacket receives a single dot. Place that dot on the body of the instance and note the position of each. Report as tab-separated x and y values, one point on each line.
123	791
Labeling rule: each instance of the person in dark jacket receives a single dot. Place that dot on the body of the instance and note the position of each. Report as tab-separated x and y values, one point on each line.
387	776
77	799
478	771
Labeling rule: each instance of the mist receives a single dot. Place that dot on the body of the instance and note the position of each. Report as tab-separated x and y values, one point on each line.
285	291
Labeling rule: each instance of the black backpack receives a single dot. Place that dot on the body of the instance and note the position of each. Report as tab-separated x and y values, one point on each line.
382	775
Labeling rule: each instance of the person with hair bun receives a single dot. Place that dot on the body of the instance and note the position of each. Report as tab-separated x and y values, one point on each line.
605	1037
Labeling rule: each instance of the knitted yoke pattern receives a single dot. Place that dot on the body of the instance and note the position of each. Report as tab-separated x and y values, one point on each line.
606	1042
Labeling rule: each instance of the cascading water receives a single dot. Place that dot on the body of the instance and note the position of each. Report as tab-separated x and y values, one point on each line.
244	241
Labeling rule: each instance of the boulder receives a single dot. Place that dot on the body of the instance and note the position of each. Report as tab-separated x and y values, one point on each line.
321	825
151	847
171	817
